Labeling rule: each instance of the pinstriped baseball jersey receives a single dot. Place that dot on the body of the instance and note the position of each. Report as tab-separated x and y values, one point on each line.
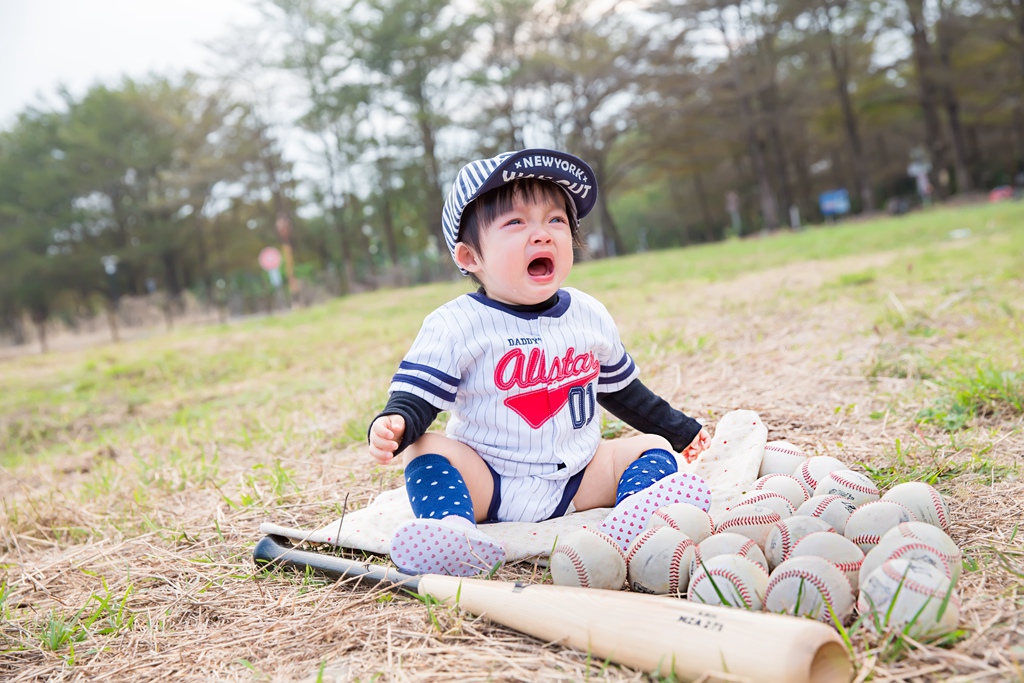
521	387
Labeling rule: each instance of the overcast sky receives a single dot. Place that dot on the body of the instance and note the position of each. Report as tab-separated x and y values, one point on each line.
78	43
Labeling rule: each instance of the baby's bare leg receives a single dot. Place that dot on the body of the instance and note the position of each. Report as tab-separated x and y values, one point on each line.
470	465
602	475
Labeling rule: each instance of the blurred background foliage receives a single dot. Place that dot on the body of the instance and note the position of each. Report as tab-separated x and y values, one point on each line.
334	127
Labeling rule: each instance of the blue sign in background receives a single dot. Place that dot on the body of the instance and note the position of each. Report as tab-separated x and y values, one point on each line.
834	202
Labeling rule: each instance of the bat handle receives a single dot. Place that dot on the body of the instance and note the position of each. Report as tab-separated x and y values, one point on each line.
277	551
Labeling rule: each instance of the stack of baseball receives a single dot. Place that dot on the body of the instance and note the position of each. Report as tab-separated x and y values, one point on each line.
813	538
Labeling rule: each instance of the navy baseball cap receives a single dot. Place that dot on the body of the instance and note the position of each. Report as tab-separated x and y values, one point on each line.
567	171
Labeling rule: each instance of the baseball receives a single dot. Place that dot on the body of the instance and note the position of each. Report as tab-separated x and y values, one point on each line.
809	586
690	519
910	596
729	580
588	559
934	537
840	551
814	470
769	499
727	544
658	561
780	457
832	509
923	500
784	536
853	486
752	521
785	484
870	521
898	548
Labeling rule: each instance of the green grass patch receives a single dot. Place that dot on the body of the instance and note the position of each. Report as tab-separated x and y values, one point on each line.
937	467
900	361
856	279
104	613
986	392
928	230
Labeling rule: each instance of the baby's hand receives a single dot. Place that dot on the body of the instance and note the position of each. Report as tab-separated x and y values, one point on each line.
385	435
699	444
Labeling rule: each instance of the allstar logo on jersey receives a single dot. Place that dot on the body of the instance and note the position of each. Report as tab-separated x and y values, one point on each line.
568	372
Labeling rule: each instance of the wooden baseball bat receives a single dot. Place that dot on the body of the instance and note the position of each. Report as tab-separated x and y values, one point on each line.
652	633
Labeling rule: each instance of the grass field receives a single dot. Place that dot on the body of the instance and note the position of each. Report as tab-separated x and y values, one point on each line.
133	476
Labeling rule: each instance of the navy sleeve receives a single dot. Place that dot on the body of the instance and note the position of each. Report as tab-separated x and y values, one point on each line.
645	411
418	414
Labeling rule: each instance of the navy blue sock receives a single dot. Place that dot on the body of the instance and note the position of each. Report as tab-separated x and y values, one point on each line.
436	489
651	466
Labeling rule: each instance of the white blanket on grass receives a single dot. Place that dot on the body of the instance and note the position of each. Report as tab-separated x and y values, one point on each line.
730	465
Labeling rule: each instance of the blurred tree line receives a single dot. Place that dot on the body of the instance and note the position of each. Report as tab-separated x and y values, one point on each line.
345	120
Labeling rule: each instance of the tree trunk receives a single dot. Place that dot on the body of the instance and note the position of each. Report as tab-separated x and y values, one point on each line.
839	173
840	70
609	231
12	317
345	277
883	149
515	132
770	102
1019	110
388	224
675	192
1018	132
347	269
435	196
801	166
173	299
284	221
612	238
203	260
781	166
964	182
222	303
120	236
927	94
115	335
769	214
744	218
39	317
705	208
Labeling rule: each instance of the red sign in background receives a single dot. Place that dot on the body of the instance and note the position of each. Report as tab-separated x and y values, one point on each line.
270	258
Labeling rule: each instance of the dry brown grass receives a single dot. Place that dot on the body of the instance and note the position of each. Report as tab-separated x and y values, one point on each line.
174	534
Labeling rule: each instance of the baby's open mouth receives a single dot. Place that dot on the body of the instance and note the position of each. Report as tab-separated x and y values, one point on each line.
539	267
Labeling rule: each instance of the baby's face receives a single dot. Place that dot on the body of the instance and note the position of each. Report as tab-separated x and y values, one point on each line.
526	253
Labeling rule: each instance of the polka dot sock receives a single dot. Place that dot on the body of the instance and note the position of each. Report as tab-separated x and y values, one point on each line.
629	517
452	546
444	538
436	489
651	466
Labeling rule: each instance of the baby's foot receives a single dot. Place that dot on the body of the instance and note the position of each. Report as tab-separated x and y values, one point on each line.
629	518
452	546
